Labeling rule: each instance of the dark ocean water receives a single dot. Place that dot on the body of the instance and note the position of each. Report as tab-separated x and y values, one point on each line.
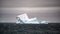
13	28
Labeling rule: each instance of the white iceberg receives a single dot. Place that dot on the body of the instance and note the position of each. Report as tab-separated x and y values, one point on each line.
44	22
23	19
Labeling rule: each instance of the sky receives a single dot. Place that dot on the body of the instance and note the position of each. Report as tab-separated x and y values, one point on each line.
43	10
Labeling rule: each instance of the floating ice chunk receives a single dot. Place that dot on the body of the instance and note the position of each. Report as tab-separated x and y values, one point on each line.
44	22
23	19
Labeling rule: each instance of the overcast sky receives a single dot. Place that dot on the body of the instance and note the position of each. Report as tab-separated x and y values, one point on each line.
48	10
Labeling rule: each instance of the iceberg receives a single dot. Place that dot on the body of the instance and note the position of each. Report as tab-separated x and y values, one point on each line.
44	22
23	19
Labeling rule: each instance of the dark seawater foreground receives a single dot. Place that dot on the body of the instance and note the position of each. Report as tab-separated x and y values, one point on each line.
13	28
